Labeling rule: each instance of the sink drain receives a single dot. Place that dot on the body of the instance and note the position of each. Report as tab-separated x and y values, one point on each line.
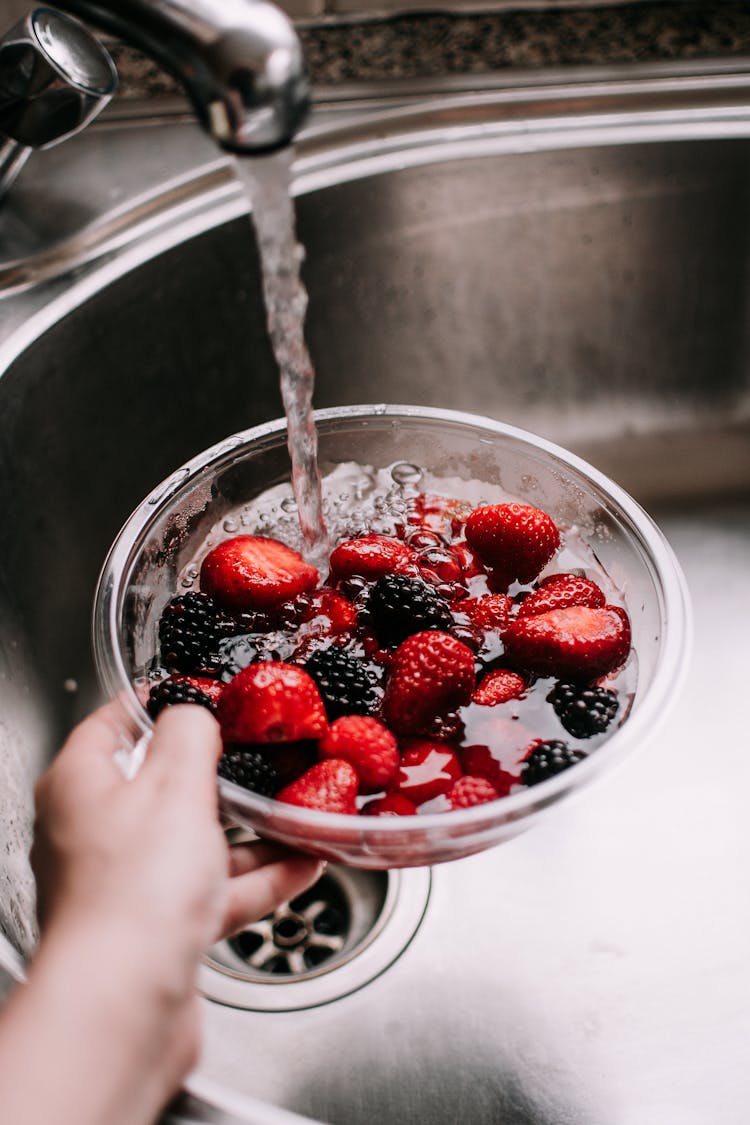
338	935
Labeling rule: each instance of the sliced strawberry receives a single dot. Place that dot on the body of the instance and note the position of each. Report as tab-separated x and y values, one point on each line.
431	673
479	761
490	613
370	556
514	540
427	769
578	643
369	746
560	591
392	804
251	572
330	786
470	791
499	686
271	702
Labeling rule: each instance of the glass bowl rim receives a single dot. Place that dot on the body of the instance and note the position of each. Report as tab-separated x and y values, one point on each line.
669	672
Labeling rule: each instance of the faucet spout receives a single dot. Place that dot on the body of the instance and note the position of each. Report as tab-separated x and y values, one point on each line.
239	61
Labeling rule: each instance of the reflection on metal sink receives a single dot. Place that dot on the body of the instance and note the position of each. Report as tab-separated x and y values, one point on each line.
573	260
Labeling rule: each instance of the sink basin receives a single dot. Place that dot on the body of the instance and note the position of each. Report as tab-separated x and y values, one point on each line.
569	259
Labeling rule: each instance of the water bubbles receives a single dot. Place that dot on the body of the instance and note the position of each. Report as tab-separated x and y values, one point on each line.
187	582
231	525
406	473
289	505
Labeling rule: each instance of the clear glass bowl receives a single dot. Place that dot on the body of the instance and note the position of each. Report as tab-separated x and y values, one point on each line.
141	574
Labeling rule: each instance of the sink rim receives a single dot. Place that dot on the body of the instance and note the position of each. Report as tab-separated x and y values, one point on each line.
378	137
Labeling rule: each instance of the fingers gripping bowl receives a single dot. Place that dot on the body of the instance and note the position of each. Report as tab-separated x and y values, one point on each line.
408	479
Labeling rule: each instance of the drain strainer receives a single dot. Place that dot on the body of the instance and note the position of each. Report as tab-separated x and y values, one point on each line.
324	944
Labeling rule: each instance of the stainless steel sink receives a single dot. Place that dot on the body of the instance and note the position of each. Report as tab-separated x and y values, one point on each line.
571	257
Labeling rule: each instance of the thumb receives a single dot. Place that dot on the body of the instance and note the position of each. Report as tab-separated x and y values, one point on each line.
184	750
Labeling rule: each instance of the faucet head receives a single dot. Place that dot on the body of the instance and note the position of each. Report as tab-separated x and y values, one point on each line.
54	78
255	93
239	61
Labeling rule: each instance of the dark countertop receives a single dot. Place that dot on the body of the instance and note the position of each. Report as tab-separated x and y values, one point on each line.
426	45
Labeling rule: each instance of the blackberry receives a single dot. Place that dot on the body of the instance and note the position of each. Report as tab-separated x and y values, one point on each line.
400	606
250	769
583	711
168	692
548	759
190	629
347	685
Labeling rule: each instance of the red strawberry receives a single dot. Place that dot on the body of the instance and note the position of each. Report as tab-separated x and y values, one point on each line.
515	540
490	613
330	786
251	572
559	592
369	746
393	804
431	673
469	791
370	556
439	565
499	686
436	513
578	643
427	769
470	565
479	761
330	612
271	702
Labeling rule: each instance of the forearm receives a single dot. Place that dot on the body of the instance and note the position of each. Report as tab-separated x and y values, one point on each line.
87	1041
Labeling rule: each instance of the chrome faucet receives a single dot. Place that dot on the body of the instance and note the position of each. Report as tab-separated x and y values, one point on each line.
239	61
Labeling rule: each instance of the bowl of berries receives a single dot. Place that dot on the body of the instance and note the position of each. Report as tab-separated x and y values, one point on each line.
491	624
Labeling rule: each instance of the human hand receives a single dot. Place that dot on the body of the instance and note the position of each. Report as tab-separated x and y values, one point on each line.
136	876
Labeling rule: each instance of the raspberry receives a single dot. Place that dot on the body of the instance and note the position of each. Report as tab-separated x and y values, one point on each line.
183	689
347	685
585	711
400	606
190	629
250	769
469	791
547	759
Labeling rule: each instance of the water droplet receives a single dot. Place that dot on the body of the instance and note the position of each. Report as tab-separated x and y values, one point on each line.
230	524
70	686
405	473
288	505
187	582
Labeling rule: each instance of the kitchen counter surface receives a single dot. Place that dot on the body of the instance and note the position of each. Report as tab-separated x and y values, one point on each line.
428	45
